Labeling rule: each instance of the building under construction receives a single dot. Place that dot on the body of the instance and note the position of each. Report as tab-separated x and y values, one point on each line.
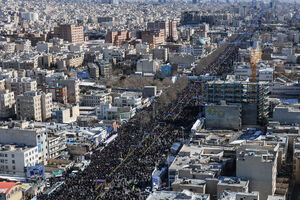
252	96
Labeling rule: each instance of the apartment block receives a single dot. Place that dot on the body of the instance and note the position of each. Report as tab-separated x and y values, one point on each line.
145	66
169	28
35	106
116	38
94	98
14	159
153	38
67	114
257	161
23	135
72	89
70	33
252	96
59	93
285	114
228	195
223	116
128	99
7	104
184	195
21	85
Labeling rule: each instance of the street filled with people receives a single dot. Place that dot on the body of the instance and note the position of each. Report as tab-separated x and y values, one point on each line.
123	169
126	164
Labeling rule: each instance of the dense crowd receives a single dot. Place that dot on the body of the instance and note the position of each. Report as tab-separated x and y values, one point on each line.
145	152
125	166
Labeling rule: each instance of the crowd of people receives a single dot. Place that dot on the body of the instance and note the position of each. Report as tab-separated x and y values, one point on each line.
123	169
127	163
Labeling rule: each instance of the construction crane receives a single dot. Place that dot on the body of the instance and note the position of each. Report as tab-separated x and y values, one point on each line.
254	59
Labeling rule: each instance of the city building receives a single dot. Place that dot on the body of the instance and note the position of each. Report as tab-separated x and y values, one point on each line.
169	28
67	114
7	104
11	190
228	195
223	116
59	93
21	134
258	157
21	85
117	38
153	38
252	96
70	33
145	66
34	106
72	88
94	98
128	99
14	159
296	160
287	114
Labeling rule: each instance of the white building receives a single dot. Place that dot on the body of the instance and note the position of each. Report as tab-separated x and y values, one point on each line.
14	159
193	50
94	98
145	66
257	161
34	106
128	99
7	104
28	137
21	85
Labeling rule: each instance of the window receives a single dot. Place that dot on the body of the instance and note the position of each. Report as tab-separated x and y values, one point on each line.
5	155
12	155
13	161
14	167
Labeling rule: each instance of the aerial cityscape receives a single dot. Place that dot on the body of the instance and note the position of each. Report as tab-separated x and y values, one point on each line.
149	100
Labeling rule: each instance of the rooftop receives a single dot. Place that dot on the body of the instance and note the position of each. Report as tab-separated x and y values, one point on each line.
185	194
5	187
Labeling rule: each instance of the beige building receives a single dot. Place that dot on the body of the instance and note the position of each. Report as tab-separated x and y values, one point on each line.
168	27
35	106
67	114
70	33
73	89
21	85
232	184
194	185
11	191
117	38
257	161
7	104
153	38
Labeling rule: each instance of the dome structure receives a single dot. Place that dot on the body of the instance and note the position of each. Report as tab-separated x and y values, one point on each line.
200	42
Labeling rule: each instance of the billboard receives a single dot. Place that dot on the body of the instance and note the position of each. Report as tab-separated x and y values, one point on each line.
35	171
